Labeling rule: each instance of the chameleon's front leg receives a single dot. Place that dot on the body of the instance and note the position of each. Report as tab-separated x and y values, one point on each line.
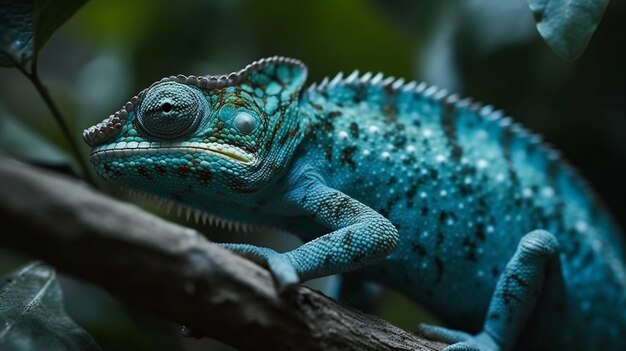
360	237
513	300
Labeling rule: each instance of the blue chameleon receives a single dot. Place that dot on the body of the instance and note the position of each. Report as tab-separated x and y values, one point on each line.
399	183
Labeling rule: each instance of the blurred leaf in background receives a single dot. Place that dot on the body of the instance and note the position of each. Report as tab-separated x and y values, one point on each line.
567	25
26	25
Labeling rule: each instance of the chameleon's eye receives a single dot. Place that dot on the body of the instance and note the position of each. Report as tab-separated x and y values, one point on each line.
170	110
245	123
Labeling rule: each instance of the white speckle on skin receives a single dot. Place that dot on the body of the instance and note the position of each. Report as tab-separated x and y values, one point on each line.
366	152
499	177
443	193
440	158
372	129
490	229
467	180
527	192
427	133
410	149
481	164
461	206
423	194
450	222
581	226
386	156
547	191
342	135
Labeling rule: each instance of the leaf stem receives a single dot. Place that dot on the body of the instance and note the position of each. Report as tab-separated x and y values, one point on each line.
33	76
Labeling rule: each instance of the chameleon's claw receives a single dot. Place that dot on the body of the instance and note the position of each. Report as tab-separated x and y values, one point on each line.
279	264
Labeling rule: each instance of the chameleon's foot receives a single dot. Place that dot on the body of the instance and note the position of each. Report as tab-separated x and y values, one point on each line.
513	300
458	340
279	264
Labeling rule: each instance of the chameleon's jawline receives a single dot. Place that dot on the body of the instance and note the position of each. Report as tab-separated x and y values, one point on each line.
226	151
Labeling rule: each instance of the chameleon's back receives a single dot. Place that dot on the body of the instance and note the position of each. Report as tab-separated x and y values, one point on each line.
462	185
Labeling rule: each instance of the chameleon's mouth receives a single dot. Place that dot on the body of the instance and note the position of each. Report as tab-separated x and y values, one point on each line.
230	152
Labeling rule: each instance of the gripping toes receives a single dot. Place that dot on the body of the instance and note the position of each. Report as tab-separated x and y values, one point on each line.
279	264
512	302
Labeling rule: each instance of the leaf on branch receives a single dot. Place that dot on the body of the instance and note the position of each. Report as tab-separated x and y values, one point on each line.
26	26
18	140
567	25
32	315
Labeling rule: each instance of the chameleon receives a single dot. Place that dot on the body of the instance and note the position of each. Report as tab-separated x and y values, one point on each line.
396	182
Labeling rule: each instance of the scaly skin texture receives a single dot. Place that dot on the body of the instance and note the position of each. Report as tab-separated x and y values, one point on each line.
448	202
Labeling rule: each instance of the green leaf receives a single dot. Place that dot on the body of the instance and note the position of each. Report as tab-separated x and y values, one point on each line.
18	140
16	34
26	25
32	315
567	25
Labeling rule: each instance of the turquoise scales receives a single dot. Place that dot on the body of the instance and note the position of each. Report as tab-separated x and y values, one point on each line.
400	183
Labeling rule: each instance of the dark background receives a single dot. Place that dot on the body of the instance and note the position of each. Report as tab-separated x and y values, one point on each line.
489	50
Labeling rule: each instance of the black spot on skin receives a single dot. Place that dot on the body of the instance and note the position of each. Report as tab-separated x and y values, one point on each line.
144	172
443	216
183	171
329	126
439	267
160	169
408	160
410	195
354	130
495	272
393	180
328	152
358	257
205	176
400	141
346	156
316	106
440	238
480	231
424	211
334	114
470	249
418	249
518	280
434	174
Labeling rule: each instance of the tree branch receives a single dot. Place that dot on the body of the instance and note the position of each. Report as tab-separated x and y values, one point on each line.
174	271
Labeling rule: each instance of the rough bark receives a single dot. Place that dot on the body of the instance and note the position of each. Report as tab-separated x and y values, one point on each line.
176	272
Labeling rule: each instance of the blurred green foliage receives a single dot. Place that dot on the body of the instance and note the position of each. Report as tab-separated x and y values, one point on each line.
487	49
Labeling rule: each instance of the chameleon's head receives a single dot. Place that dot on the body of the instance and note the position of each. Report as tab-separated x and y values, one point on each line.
195	139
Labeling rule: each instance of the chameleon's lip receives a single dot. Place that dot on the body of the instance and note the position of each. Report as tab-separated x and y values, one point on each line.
230	152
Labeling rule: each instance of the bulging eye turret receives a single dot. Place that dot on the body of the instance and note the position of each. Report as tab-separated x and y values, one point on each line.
171	110
245	123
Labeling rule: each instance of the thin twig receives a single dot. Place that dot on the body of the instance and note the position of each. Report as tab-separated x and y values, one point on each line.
33	77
